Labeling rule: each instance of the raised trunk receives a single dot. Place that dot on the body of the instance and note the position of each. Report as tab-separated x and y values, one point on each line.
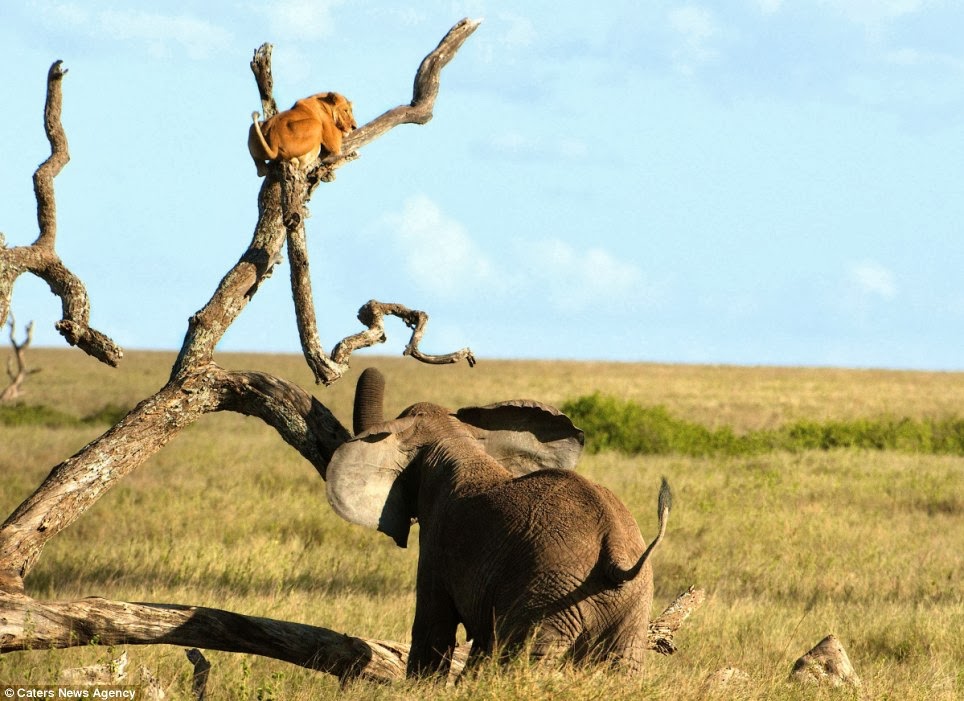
369	400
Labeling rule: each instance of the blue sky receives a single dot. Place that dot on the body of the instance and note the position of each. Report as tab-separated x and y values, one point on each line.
776	182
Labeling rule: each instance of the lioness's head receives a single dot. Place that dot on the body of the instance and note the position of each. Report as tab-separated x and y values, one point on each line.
340	109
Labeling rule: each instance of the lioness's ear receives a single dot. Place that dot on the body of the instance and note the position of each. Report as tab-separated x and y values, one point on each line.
526	436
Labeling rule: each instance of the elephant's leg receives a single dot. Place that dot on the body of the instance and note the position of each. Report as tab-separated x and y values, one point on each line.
433	634
551	643
625	647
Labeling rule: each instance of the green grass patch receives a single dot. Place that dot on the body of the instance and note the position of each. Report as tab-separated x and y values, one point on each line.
40	415
615	424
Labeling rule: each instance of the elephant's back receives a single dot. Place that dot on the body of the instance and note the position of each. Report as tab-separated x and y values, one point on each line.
566	522
533	554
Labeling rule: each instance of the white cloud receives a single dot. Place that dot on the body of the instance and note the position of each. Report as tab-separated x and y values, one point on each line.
576	279
519	32
908	57
696	28
406	16
64	14
518	145
439	254
299	19
874	14
873	279
162	34
769	7
438	251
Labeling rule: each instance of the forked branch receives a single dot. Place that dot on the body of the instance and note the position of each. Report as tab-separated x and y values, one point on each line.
373	313
297	189
424	92
40	258
14	389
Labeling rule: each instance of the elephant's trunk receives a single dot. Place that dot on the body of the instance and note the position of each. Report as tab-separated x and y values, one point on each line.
369	397
663	505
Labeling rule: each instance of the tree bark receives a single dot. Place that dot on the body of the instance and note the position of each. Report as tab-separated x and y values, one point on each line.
15	388
40	258
28	624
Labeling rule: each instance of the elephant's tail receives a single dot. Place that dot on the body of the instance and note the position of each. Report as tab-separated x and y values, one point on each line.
663	505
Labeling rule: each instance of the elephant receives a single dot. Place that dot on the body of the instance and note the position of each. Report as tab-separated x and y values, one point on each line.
513	544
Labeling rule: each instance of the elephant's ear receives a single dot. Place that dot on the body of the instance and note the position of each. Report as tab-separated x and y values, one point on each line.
366	480
525	435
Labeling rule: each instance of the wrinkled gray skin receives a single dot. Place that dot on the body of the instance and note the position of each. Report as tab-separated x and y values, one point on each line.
512	544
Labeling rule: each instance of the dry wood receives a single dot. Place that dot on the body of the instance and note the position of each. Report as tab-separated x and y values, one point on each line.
294	188
40	258
425	90
663	628
29	624
826	663
15	388
202	669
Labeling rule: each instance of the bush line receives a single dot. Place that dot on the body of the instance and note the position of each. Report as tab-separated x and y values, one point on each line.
615	424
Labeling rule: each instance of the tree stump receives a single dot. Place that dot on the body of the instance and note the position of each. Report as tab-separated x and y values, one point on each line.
826	663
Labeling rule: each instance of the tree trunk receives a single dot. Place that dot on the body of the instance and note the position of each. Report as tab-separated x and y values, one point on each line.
27	624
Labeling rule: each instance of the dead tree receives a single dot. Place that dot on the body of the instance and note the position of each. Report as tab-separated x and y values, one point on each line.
15	388
197	386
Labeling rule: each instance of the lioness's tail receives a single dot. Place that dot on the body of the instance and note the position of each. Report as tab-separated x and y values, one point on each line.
256	118
663	505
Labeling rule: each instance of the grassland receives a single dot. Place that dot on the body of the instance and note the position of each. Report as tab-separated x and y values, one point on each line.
790	546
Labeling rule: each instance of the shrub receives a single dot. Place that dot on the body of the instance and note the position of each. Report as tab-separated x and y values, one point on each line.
614	424
610	423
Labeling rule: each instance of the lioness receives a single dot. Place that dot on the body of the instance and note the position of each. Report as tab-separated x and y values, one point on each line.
297	135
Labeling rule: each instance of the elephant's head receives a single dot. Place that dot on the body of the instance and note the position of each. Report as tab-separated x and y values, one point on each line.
373	479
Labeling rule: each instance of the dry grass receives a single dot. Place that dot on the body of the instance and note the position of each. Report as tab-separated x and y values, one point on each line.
789	547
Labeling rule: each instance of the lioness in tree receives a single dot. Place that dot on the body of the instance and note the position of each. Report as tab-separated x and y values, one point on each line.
313	124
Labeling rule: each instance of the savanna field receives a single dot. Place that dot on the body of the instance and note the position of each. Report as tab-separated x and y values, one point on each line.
807	502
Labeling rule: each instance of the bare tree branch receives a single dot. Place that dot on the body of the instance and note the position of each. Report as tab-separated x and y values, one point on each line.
261	68
202	668
43	179
425	90
15	388
295	193
40	258
372	315
76	484
196	386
